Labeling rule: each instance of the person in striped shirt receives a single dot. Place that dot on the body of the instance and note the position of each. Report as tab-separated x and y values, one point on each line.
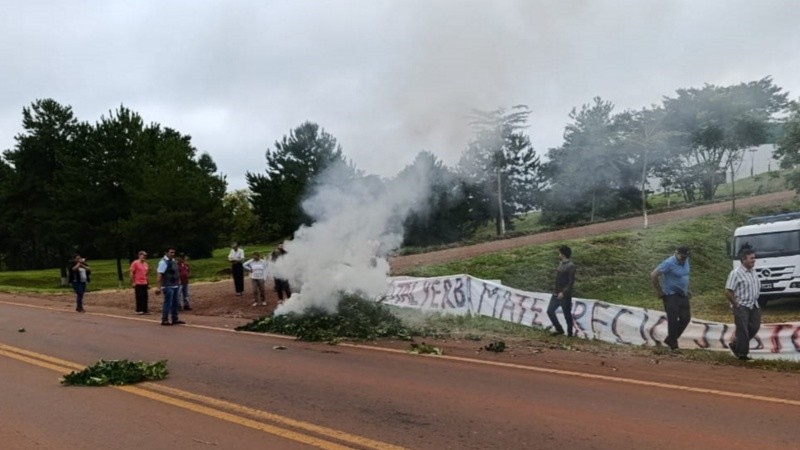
742	290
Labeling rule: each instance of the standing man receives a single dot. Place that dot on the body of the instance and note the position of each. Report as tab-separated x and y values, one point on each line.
236	258
562	294
281	284
78	277
185	271
742	290
139	269
675	293
168	281
258	276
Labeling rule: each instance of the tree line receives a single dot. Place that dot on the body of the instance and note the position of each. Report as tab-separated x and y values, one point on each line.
105	189
116	186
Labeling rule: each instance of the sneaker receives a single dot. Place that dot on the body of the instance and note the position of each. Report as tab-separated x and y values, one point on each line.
263	303
165	324
238	294
178	322
187	308
147	313
80	310
139	313
254	304
744	358
556	333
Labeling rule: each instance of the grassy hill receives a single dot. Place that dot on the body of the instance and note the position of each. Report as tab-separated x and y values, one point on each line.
616	267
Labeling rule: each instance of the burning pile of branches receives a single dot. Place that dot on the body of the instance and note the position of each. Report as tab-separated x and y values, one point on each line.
357	318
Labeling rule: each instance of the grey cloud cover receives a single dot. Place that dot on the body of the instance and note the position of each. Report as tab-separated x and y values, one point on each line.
387	78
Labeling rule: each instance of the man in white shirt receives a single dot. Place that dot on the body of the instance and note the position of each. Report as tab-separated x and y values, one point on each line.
236	258
743	289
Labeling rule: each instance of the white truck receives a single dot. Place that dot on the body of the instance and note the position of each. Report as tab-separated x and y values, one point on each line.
776	241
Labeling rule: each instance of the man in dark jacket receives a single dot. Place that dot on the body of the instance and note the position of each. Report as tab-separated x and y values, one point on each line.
78	277
562	294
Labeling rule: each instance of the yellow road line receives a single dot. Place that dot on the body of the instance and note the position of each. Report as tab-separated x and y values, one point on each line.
161	393
329	432
51	359
243	421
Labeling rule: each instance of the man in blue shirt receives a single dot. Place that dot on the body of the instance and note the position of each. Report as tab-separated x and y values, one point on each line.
168	280
674	291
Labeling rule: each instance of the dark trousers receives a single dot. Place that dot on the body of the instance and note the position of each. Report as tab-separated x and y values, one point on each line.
80	289
282	287
237	270
566	308
140	290
748	322
678	316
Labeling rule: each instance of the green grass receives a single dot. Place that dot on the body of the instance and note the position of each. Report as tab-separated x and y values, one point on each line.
762	183
104	273
616	267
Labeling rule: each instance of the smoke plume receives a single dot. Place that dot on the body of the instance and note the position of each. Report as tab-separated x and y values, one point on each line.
358	221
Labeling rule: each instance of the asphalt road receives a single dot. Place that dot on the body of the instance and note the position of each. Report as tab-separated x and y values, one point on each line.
237	391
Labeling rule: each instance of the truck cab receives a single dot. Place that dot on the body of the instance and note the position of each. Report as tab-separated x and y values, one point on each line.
776	241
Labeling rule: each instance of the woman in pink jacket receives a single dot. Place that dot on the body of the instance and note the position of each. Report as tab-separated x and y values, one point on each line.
139	269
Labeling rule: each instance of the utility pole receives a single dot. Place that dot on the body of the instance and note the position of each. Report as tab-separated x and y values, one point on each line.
500	218
752	159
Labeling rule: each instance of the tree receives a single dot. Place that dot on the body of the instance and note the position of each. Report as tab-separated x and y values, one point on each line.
241	222
501	161
646	139
788	146
154	190
181	202
119	158
277	195
445	215
719	123
591	174
6	172
106	190
39	208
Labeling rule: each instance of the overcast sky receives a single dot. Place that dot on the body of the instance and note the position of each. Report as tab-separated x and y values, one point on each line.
386	78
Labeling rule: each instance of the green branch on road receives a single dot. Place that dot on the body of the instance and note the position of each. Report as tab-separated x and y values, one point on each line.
117	373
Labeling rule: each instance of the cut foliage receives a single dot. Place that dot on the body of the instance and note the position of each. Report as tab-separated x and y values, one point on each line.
357	318
117	373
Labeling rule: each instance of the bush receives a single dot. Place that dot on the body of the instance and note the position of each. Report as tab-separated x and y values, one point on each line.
357	318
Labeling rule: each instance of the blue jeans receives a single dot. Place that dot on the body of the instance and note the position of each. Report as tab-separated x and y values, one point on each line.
80	289
170	303
185	294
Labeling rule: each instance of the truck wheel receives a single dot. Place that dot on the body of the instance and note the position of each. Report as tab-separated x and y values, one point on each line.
762	301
